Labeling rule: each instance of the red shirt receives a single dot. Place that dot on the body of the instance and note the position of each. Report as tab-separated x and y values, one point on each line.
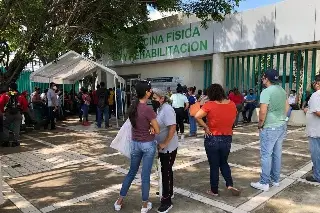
23	103
95	98
220	117
237	99
4	98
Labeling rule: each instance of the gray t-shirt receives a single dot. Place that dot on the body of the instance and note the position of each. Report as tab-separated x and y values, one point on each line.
167	117
313	121
52	98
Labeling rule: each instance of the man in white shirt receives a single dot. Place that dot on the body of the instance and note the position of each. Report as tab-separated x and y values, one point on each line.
52	104
180	104
313	129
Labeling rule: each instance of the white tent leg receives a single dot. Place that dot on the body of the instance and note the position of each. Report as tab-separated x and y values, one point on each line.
1	195
121	101
115	95
63	93
31	99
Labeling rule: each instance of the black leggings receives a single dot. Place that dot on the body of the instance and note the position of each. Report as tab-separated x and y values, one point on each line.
167	161
179	119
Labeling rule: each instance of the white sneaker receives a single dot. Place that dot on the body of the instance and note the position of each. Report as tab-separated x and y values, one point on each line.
149	207
260	186
275	184
117	207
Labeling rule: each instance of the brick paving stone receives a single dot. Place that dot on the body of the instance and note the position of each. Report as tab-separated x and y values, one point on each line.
47	188
132	204
299	197
196	178
9	207
251	158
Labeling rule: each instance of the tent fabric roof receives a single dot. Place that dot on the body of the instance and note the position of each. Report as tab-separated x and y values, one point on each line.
68	69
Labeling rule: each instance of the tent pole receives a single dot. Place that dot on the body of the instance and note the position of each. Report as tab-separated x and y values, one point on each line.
115	95
63	92
121	101
30	96
130	91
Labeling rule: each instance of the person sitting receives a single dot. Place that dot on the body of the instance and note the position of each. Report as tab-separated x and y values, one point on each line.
293	100
250	105
238	99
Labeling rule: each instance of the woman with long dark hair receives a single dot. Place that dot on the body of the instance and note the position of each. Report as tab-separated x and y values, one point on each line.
143	146
220	113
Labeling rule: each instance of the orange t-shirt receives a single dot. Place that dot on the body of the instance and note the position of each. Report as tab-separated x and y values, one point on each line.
220	117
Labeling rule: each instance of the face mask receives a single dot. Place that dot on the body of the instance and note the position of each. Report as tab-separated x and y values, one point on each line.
291	95
155	104
251	93
54	87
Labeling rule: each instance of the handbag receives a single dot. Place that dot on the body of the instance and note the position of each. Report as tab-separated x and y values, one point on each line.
194	108
122	141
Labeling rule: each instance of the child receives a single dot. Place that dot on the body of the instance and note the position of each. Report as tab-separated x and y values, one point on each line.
85	107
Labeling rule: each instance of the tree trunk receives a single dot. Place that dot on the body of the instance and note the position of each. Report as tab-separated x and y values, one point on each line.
16	66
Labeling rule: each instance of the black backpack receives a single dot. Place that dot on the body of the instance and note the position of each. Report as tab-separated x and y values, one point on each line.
13	105
102	99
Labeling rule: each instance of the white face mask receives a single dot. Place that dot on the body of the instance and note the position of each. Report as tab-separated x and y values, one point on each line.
54	87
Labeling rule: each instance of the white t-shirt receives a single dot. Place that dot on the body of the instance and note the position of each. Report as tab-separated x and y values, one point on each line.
292	99
313	121
178	100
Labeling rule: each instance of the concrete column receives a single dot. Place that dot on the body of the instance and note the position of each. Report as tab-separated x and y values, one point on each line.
218	71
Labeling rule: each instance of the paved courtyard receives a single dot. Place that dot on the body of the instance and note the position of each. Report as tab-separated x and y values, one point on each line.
73	169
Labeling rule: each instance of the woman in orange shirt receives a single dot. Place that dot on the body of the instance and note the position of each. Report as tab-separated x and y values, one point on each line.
221	114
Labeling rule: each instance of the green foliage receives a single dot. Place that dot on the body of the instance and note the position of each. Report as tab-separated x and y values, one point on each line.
48	28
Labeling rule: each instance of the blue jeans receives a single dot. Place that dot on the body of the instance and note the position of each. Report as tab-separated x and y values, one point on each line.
105	111
314	146
271	140
218	149
289	112
85	111
144	151
193	124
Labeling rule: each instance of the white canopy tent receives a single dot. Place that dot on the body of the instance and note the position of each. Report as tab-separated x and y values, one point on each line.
72	67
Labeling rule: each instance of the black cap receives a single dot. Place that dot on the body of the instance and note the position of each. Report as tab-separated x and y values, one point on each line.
272	75
13	86
317	78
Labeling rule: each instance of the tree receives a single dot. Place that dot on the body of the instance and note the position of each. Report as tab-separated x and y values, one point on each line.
48	28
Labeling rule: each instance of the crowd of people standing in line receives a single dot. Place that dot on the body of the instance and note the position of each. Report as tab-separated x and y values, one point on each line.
158	129
44	108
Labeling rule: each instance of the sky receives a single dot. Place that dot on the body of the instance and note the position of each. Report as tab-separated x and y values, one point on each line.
250	4
244	5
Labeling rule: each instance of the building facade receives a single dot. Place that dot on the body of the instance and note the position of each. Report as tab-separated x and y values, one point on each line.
235	52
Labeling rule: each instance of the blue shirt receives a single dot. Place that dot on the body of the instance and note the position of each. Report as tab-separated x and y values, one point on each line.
192	99
251	98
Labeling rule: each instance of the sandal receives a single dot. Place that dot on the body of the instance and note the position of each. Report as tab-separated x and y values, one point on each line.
234	191
209	192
